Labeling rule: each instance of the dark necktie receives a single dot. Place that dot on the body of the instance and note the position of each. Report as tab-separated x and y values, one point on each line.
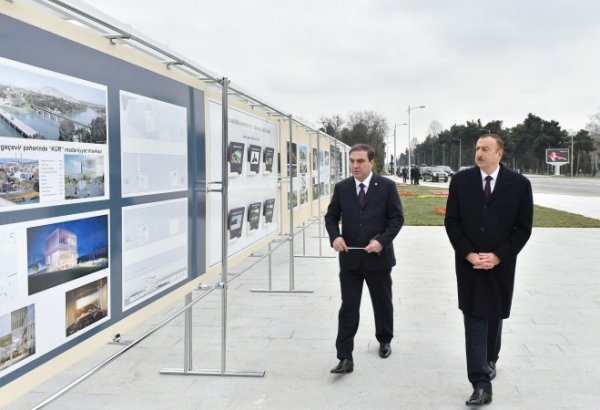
487	191
361	194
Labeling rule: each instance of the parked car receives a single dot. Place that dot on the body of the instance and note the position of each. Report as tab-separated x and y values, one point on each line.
434	174
449	170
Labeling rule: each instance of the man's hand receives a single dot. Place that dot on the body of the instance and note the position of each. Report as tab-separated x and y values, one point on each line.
339	245
488	260
483	260
374	246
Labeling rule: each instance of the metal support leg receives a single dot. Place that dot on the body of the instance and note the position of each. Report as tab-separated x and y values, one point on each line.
320	245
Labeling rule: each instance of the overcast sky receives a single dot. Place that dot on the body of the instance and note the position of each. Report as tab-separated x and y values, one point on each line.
463	59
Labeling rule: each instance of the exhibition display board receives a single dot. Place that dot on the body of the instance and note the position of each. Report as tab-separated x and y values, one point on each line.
105	163
97	158
253	187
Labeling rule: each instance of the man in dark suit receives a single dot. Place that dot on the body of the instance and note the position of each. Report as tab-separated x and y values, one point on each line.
371	213
489	215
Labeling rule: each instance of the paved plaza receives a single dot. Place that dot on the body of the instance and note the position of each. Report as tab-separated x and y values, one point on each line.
549	358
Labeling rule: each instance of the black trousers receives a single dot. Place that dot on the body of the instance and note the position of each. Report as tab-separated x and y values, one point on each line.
483	338
380	288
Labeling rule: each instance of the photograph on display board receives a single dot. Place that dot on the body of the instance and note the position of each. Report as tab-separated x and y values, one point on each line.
294	199
315	188
335	153
253	215
142	175
40	104
303	159
19	181
154	148
268	158
149	119
303	190
293	164
17	336
86	305
155	249
9	280
61	252
268	210
254	158
236	222
235	157
150	275
84	176
279	162
315	158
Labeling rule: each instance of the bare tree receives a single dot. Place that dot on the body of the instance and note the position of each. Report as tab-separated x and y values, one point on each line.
435	128
368	127
332	125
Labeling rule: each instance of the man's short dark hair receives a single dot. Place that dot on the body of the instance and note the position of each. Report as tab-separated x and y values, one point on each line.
363	147
498	138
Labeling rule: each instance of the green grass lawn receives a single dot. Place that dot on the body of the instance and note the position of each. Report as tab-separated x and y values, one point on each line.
424	206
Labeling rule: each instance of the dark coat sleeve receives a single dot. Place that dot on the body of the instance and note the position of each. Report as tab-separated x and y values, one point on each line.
333	215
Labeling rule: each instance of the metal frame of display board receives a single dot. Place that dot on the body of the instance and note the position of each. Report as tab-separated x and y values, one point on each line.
292	288
188	367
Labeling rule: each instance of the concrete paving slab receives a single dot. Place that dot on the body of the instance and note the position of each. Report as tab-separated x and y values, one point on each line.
547	360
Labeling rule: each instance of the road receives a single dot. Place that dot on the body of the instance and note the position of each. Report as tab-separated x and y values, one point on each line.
578	195
558	185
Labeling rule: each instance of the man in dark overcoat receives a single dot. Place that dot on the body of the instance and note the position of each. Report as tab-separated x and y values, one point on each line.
489	215
369	208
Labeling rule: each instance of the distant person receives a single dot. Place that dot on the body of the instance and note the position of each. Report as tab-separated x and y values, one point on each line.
371	214
417	175
594	171
489	214
414	175
404	174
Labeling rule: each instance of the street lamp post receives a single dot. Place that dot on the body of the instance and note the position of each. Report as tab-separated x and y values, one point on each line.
572	155
408	111
459	152
395	157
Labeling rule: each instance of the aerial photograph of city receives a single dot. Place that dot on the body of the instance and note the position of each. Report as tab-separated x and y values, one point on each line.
19	181
39	104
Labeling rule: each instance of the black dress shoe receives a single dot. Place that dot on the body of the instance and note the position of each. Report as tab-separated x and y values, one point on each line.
344	366
385	350
479	398
492	367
